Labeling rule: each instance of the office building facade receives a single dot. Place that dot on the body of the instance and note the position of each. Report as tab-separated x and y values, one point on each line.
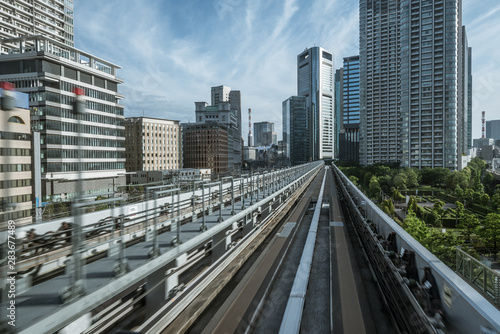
493	129
15	163
413	83
49	72
152	144
349	111
49	18
315	82
206	146
295	130
264	134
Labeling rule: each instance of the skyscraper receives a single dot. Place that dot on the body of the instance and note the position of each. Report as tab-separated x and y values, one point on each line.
315	82
220	94
264	134
295	130
52	19
413	83
349	110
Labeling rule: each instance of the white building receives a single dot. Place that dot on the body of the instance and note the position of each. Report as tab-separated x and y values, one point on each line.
315	82
49	18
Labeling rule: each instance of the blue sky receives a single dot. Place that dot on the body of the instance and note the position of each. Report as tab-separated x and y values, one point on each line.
172	52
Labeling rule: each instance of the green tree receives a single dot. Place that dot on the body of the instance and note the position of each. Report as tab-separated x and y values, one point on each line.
490	231
415	227
485	199
433	219
354	180
458	211
468	225
411	177
443	245
438	209
400	181
374	187
459	193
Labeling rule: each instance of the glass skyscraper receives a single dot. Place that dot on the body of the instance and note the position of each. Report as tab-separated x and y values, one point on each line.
349	109
414	87
315	83
295	130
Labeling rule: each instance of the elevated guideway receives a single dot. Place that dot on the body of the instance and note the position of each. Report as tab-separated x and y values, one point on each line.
156	268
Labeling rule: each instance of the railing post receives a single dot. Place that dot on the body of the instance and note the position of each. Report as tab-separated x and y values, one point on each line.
221	203
203	227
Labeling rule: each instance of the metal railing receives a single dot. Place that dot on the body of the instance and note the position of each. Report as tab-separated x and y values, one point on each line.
478	275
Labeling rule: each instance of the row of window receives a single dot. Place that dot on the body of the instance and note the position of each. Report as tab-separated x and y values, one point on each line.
69	87
68	140
14	136
85	154
15	183
15	168
68	100
86	166
17	152
67	113
83	128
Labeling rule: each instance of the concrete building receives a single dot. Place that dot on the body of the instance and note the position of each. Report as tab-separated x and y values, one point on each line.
152	144
249	153
205	146
295	130
493	129
415	87
349	110
315	82
49	72
49	18
221	94
15	162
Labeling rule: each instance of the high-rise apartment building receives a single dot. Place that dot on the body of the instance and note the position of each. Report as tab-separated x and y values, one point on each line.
349	110
15	163
49	72
295	130
412	83
315	82
49	18
152	144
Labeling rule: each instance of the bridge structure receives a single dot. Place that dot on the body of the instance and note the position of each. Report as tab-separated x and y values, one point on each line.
293	250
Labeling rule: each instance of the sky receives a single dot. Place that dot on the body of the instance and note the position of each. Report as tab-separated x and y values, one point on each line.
172	52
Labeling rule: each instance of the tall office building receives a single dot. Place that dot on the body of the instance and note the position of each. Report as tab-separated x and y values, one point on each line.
264	134
49	72
493	129
49	18
348	102
152	144
412	82
315	82
220	94
295	130
337	129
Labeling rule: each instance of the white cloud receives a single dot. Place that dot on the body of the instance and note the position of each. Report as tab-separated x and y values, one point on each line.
172	53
